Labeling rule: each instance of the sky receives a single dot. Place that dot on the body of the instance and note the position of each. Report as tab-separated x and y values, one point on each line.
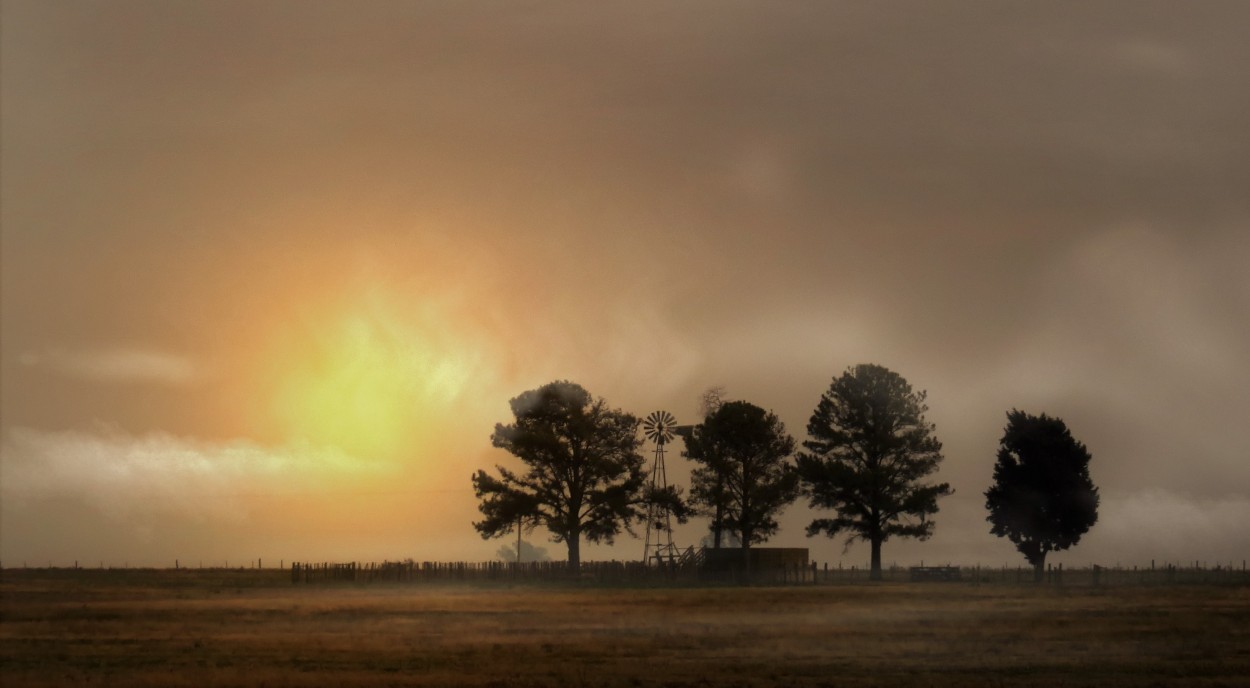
271	272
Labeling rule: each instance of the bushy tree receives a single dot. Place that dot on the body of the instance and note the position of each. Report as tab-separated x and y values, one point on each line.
868	450
745	477
1042	499
584	475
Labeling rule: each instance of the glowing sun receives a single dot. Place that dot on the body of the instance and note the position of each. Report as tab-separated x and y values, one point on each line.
371	384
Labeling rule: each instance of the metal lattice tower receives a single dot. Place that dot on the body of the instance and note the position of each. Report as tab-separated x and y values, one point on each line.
659	549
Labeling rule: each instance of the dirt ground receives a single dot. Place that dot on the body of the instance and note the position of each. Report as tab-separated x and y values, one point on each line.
247	629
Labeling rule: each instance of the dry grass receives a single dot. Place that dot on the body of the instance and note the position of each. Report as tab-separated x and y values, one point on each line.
254	630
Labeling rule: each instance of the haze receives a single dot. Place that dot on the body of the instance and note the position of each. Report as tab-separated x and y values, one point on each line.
272	271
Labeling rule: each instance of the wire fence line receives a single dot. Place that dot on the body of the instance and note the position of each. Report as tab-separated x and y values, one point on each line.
1093	575
609	572
627	573
593	572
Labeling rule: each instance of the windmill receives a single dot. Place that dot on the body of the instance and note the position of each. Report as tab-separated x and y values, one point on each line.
659	427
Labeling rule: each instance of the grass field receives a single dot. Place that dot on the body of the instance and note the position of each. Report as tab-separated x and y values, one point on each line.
249	628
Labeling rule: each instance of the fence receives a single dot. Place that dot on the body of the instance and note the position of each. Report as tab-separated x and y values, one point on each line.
465	571
1193	573
779	573
596	572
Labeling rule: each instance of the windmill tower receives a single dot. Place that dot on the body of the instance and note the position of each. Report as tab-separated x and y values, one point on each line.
659	550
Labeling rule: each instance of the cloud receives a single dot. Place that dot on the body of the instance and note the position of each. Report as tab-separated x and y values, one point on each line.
1151	57
117	365
1162	524
743	197
136	478
1131	302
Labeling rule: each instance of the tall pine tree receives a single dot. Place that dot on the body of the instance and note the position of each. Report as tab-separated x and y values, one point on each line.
868	450
746	476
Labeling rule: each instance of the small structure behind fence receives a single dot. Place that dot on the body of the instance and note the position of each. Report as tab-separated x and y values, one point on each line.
783	565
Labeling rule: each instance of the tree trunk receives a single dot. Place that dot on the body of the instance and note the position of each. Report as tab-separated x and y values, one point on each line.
875	572
1039	566
716	526
575	552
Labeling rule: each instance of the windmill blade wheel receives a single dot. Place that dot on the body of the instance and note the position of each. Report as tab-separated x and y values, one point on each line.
658	427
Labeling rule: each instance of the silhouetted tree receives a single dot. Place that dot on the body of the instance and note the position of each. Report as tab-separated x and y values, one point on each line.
1042	498
583	473
869	447
709	402
746	476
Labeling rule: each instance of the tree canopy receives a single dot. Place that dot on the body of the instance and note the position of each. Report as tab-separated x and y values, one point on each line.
868	449
745	477
1042	499
583	476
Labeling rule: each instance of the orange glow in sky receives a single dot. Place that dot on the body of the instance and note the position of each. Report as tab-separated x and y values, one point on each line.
370	384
